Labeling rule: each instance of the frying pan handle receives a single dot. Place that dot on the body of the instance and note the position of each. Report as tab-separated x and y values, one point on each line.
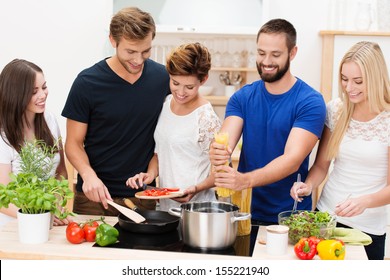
175	212
241	217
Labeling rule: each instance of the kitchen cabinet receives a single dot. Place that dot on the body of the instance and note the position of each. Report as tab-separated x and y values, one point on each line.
72	180
234	53
221	100
217	100
243	71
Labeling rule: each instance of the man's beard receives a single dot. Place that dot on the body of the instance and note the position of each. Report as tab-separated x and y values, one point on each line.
270	78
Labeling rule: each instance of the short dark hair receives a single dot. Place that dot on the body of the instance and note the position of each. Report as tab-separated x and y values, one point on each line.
280	26
189	59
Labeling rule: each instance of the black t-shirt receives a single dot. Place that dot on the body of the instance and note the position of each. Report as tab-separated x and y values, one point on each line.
121	119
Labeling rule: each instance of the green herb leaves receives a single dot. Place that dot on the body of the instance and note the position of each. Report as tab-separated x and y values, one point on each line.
34	190
35	196
37	158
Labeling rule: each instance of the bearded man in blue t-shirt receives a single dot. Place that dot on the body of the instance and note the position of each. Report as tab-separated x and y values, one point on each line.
280	119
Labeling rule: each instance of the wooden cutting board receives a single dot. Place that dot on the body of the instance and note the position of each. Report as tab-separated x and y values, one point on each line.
141	195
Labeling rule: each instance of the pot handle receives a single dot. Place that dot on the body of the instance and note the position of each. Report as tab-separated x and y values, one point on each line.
175	212
241	217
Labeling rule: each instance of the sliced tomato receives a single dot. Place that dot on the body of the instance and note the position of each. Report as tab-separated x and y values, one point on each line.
172	189
154	192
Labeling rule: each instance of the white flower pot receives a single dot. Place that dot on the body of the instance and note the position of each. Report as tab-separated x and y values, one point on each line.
33	228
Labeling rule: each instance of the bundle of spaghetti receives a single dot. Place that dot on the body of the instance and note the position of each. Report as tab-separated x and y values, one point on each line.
223	138
243	200
224	192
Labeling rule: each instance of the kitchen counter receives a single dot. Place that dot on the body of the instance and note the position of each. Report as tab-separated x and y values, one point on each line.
59	248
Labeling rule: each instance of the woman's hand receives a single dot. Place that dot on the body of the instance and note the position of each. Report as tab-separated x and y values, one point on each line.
351	207
188	194
300	189
64	222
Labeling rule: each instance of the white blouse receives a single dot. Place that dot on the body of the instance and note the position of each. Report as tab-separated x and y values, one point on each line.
182	147
8	155
360	168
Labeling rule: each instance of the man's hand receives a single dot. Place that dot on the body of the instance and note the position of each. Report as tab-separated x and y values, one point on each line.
219	154
96	191
230	178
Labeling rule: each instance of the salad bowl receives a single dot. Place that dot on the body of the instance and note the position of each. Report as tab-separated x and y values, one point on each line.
304	223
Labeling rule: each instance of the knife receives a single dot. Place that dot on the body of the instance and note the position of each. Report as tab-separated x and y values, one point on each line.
146	187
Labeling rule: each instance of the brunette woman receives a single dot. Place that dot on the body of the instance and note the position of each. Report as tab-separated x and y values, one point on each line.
23	94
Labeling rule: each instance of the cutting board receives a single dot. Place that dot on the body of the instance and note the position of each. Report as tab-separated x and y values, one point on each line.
141	195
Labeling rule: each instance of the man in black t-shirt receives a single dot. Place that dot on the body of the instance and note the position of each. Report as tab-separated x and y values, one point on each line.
112	111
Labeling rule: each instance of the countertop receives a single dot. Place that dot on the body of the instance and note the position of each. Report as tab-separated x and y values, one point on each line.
59	248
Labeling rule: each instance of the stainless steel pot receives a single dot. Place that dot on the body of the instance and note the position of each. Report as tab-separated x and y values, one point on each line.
209	225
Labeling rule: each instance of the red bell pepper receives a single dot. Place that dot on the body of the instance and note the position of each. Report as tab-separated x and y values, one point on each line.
305	249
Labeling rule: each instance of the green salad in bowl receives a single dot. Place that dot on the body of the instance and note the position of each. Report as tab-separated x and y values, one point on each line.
304	223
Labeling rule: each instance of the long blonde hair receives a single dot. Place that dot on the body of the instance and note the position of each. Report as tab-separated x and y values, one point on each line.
369	57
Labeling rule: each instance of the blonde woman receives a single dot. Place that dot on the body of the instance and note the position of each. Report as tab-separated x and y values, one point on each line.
357	138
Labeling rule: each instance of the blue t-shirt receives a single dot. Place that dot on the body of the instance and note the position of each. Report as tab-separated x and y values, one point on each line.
268	120
121	120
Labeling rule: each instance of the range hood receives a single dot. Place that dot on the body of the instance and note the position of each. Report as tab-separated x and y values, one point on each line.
203	16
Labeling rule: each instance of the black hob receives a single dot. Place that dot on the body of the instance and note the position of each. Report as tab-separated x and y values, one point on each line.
172	242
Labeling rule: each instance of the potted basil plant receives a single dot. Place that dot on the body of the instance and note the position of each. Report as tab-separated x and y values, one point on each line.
36	191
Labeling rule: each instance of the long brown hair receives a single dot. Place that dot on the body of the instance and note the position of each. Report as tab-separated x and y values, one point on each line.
369	57
17	82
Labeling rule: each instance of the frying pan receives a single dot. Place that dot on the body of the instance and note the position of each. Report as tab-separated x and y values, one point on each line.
156	221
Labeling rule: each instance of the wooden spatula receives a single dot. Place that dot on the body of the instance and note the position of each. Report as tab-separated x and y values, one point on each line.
134	216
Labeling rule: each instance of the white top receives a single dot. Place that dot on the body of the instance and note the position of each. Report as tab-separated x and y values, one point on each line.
9	155
360	168
182	146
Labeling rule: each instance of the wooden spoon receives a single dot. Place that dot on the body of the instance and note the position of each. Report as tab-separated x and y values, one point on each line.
134	216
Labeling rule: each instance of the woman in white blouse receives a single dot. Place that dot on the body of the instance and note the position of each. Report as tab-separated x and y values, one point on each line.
357	139
184	131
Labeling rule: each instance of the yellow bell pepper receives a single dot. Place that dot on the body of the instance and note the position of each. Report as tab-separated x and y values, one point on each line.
331	249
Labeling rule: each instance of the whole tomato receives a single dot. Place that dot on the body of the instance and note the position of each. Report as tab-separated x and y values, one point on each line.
90	230
74	233
315	239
